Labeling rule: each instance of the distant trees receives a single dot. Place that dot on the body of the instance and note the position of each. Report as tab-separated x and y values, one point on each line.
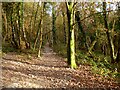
110	37
53	25
14	24
86	27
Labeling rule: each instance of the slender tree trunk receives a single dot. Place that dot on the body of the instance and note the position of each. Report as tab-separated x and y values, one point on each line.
1	43
107	32
30	26
35	16
23	28
0	32
71	46
14	42
53	27
41	30
91	48
5	24
40	44
81	30
118	54
64	27
19	24
38	33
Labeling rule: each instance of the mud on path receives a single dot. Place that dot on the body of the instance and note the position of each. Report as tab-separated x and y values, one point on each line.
49	71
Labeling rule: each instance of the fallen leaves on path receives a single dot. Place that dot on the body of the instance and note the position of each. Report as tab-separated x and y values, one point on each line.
50	71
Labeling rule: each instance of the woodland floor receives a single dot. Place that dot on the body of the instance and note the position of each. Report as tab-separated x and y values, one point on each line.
49	71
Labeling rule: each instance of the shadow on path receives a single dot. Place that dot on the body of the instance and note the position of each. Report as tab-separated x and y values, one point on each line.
48	72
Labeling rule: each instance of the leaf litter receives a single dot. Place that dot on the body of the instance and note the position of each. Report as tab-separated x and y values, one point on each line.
50	71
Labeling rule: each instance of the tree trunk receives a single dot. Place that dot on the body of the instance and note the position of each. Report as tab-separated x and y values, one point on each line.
77	17
23	28
35	16
30	26
38	33
19	24
118	54
13	41
5	24
64	27
70	46
53	27
41	30
38	29
0	29
107	32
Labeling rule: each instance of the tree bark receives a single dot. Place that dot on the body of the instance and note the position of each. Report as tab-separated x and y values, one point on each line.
30	26
0	29
23	28
77	17
38	33
5	24
19	24
35	16
64	27
118	54
70	46
41	30
107	32
53	27
13	42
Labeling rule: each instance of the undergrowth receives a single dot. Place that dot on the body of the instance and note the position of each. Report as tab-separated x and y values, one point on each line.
100	64
9	48
60	49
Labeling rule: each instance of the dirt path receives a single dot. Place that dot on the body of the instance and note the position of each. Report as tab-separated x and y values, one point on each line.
51	71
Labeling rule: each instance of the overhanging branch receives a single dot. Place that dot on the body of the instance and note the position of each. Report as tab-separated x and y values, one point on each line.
92	15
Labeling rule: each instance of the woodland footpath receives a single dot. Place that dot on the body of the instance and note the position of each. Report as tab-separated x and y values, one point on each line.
50	71
60	44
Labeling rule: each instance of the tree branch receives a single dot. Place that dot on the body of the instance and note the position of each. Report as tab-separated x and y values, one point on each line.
91	15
